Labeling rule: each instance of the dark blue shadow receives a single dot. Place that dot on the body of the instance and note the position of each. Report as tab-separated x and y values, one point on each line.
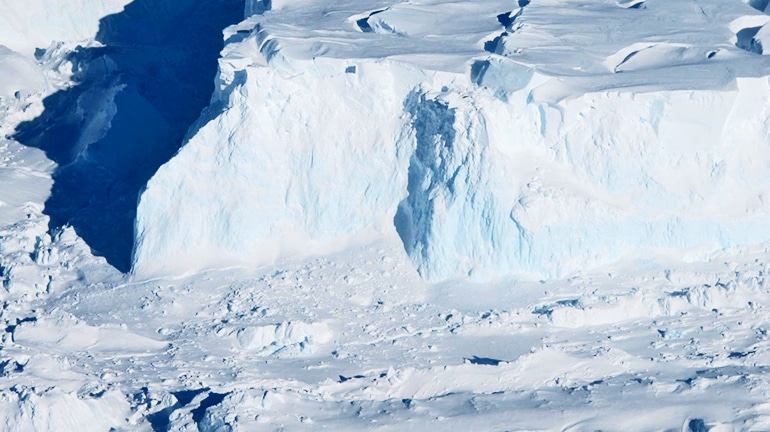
127	114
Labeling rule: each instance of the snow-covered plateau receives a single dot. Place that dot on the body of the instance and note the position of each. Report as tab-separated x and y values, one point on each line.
513	215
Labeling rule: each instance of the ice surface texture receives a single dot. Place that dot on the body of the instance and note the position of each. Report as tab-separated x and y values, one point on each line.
133	102
351	124
26	26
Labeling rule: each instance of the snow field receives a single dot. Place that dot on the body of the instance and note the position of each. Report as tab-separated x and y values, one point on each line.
25	26
660	324
356	340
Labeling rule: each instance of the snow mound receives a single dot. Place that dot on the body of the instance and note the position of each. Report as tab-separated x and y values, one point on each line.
71	334
28	409
282	340
642	56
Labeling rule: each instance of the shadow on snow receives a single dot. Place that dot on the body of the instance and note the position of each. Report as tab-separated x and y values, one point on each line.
127	114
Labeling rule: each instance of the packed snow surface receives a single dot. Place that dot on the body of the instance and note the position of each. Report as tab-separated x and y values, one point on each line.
29	25
420	215
533	141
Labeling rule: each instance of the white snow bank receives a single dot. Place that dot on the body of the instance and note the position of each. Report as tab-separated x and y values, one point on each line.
18	73
486	164
29	409
535	370
71	334
286	339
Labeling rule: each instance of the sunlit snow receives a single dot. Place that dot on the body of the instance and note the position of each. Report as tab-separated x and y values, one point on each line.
224	215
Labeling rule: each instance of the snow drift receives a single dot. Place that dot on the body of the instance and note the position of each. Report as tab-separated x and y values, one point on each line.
484	162
25	26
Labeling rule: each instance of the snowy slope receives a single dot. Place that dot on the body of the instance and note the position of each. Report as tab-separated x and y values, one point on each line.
535	141
25	26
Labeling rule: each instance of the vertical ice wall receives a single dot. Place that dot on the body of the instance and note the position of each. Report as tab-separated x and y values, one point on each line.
475	185
257	7
484	172
520	187
297	164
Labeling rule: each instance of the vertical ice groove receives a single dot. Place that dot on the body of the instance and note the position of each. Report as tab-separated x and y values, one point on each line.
451	222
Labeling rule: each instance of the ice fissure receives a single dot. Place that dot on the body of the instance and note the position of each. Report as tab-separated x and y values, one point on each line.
450	221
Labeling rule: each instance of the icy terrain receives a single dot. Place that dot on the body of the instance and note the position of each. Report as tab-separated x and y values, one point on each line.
383	215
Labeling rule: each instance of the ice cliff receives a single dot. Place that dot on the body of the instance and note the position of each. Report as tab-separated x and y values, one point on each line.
494	141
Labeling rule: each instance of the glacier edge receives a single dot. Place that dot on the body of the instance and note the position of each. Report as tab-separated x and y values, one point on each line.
480	178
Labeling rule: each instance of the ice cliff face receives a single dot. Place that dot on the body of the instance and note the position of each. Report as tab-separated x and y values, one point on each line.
297	180
483	149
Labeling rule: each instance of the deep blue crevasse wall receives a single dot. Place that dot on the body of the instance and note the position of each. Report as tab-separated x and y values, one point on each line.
128	113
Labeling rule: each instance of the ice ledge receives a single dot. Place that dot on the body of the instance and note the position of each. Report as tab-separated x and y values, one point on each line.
585	47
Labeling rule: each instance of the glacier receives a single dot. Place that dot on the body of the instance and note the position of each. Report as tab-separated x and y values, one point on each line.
354	156
493	152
